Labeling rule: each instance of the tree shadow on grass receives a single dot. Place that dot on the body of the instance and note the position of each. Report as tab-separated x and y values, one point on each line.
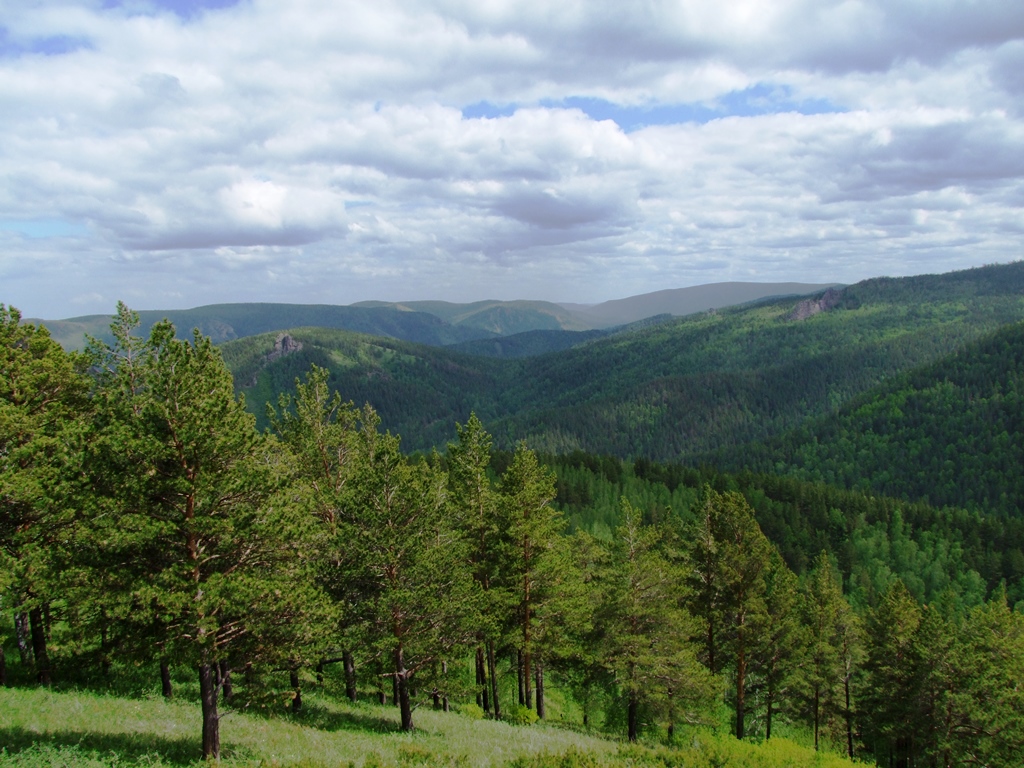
313	715
129	747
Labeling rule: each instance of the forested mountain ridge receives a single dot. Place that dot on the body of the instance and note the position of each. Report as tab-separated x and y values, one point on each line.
687	301
502	318
436	323
224	322
949	432
673	391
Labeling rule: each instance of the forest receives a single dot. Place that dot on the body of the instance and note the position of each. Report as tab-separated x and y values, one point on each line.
149	524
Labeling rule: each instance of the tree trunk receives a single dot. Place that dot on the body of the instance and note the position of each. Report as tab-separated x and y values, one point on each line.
3	668
482	661
527	681
494	679
104	657
402	680
211	721
22	634
817	701
849	720
632	715
519	675
741	686
671	717
39	646
444	699
711	644
527	672
539	673
225	681
297	698
165	679
350	676
769	707
394	691
482	699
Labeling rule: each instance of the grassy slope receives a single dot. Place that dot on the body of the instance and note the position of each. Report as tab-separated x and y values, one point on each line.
41	727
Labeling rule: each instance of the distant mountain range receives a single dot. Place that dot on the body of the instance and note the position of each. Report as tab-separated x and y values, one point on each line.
686	301
675	390
435	323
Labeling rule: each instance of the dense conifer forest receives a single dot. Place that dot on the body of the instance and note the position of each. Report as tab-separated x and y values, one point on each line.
151	529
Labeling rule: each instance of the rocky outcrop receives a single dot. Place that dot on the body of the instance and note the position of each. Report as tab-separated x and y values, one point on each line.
811	307
283	345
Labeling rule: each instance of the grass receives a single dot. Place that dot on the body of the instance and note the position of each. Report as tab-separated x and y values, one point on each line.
120	720
40	727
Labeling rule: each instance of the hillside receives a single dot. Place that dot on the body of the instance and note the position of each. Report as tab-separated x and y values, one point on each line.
498	317
435	323
224	322
673	391
949	432
686	301
80	728
873	538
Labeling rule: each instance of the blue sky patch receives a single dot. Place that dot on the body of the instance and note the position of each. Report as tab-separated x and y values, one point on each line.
761	99
36	229
487	109
185	9
55	45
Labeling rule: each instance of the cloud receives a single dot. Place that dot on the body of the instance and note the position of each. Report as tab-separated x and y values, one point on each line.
178	153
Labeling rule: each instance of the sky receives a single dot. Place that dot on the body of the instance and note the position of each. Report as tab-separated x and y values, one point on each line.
176	153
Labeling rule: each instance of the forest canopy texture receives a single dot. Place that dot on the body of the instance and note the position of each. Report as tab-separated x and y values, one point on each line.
144	518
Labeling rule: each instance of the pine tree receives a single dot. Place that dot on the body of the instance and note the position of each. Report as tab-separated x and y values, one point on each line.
210	566
321	434
729	556
824	609
985	704
473	502
530	529
893	666
777	653
646	631
397	542
43	404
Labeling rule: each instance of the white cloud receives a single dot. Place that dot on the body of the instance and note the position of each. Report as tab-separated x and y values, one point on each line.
317	151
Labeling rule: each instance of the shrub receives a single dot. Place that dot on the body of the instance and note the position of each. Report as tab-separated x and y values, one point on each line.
517	714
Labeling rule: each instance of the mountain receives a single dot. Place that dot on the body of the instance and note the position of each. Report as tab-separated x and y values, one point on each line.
949	433
674	391
502	318
224	322
535	343
527	343
436	323
687	301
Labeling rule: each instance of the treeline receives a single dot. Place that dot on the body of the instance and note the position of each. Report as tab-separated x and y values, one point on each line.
144	516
